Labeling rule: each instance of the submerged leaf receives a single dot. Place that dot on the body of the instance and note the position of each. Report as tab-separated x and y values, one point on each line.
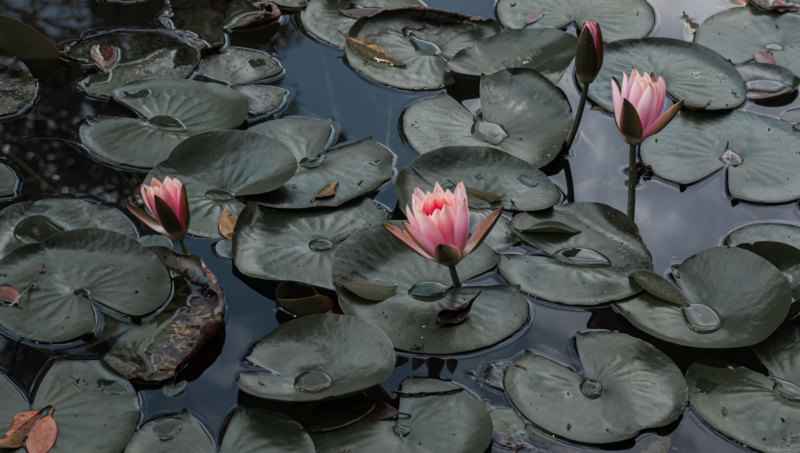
302	299
373	52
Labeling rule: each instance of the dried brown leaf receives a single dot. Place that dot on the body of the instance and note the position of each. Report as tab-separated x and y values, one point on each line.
20	427
227	223
328	191
42	435
373	52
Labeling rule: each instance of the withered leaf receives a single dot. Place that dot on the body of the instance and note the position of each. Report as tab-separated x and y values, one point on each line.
373	52
328	191
227	223
457	315
9	295
42	436
20	427
104	55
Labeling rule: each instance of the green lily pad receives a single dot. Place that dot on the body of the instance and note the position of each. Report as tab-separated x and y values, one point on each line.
748	299
240	65
442	416
258	430
292	4
326	21
754	149
778	243
700	77
263	100
19	90
739	33
177	432
359	167
780	352
171	109
492	178
373	255
20	40
34	221
767	81
746	405
501	236
626	385
298	246
618	19
117	274
9	182
217	167
607	238
772	232
14	401
317	357
545	50
522	113
422	39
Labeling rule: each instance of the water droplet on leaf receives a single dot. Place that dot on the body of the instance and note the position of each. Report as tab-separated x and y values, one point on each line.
581	257
591	389
320	245
401	430
774	46
219	195
167	123
312	162
428	291
313	382
701	318
489	132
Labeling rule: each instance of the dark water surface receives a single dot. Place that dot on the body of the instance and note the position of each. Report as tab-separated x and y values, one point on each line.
674	223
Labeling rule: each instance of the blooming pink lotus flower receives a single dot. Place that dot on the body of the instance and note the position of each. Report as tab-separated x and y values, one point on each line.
168	206
438	225
589	55
638	104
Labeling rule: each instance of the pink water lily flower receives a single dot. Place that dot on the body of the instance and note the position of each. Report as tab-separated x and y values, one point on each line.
589	54
438	225
638	104
168	206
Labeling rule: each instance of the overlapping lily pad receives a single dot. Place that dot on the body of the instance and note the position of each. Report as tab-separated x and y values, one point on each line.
420	40
522	113
442	416
592	249
755	150
318	357
736	299
778	243
178	432
546	50
329	20
700	77
258	430
618	19
217	167
355	168
418	290
19	90
492	178
171	110
34	221
625	385
298	246
739	33
9	182
116	273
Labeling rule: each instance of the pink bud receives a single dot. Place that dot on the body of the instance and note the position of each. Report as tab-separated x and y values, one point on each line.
647	95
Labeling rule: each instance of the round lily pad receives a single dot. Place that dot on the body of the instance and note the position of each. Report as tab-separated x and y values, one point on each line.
522	113
9	182
592	248
240	65
317	357
545	50
739	33
408	48
328	20
116	273
298	246
177	432
19	90
324	177
441	416
492	178
746	405
420	291
258	430
741	299
217	167
171	110
34	221
14	402
778	243
619	19
752	148
700	77
625	385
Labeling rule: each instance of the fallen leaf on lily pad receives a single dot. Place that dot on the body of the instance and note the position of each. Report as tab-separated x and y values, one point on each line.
328	191
9	295
42	436
227	223
764	56
373	52
457	315
24	426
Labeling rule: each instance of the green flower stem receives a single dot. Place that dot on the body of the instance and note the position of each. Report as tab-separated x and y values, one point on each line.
633	180
454	276
578	115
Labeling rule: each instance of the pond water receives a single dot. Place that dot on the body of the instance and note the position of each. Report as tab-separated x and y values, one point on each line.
674	222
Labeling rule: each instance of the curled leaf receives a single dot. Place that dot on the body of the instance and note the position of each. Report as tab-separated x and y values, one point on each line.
457	315
373	52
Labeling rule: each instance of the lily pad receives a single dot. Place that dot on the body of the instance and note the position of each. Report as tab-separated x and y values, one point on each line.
263	100
739	33
501	236
298	246
545	50
171	109
317	357
117	273
359	167
410	315
767	81
755	150
522	113
587	268
20	40
422	39
217	167
742	296
618	19
34	221
240	65
14	401
492	178
328	20
746	405
618	371
700	77
258	430
19	90
780	353
442	416
778	243
9	182
178	432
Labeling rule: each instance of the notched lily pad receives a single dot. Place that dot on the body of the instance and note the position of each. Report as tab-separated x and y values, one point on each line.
522	113
318	357
583	405
19	90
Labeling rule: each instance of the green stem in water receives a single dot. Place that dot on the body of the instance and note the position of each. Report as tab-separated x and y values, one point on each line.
183	248
454	277
633	180
578	115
